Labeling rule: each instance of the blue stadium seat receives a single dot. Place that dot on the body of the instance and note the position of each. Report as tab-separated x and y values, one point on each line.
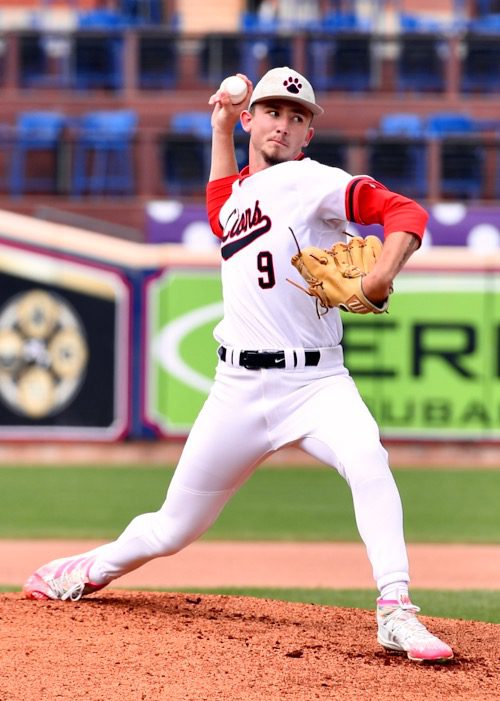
397	154
339	55
487	7
446	123
462	156
45	59
142	12
344	21
402	123
419	23
329	150
487	24
253	52
104	153
251	22
195	122
422	54
35	133
186	152
481	56
98	52
101	19
158	61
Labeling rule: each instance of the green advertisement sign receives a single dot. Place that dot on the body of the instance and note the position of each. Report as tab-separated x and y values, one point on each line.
183	307
428	369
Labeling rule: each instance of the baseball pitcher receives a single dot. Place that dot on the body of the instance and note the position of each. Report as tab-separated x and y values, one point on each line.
287	270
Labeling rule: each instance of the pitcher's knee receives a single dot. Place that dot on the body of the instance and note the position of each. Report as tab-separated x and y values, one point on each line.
365	463
171	537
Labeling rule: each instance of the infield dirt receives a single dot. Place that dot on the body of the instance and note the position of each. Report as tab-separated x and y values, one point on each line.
130	646
142	646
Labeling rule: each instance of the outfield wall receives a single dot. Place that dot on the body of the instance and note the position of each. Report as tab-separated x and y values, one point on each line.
103	339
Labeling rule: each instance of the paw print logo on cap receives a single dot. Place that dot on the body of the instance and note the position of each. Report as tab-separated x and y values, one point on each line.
292	85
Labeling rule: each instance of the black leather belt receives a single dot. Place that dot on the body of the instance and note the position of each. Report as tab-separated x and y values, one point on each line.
255	360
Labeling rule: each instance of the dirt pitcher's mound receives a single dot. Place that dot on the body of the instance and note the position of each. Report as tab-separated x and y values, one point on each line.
182	647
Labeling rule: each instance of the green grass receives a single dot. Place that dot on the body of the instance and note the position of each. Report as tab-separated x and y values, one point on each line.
299	504
466	605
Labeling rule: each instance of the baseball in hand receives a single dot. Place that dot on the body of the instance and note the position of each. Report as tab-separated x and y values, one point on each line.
235	87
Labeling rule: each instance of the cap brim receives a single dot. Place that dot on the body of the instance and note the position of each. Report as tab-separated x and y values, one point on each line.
311	106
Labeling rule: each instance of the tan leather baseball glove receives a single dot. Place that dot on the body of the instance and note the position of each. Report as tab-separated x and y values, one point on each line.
334	276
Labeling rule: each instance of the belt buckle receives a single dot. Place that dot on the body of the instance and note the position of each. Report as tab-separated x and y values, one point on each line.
245	356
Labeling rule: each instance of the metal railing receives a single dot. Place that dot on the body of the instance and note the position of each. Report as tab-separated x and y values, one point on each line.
138	59
171	165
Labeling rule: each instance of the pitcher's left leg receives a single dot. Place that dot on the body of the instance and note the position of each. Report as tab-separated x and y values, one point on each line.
377	506
347	438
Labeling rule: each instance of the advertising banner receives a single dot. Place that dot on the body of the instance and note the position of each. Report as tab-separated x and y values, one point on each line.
474	226
102	339
64	347
183	307
429	369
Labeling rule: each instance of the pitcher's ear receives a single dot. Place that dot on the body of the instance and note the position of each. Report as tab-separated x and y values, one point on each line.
246	120
309	136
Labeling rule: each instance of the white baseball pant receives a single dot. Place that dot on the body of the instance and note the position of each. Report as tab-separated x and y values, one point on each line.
248	415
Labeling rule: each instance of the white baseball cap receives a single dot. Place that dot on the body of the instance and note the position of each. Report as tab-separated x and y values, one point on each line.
286	84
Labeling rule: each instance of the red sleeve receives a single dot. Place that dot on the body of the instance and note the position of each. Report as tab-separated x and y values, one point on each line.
370	202
218	191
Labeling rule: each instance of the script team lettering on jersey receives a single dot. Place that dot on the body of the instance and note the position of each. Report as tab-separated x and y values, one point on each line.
245	228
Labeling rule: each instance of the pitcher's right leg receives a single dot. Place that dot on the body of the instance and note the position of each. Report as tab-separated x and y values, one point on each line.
219	455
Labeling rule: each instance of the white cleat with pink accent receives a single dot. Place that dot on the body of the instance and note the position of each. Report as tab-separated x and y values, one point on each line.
66	579
400	630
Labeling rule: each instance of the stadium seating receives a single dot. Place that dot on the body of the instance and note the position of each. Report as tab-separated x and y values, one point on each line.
462	156
481	56
36	133
186	152
104	153
397	154
339	55
98	52
157	61
422	55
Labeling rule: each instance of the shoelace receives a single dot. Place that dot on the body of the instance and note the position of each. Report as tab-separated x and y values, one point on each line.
404	624
69	586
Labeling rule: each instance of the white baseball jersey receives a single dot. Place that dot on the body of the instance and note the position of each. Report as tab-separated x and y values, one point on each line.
262	310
